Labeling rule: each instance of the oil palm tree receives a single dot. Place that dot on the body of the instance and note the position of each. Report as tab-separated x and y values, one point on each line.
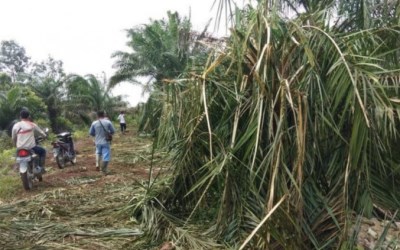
89	94
16	98
160	51
286	133
46	80
52	94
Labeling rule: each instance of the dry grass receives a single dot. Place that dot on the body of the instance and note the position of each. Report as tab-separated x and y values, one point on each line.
77	207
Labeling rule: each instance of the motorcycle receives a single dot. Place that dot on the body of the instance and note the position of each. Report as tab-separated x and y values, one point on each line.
28	165
63	149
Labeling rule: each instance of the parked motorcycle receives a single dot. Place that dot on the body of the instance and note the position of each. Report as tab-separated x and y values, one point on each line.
28	165
63	149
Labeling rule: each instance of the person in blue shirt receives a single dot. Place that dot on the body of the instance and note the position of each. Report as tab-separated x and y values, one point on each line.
99	130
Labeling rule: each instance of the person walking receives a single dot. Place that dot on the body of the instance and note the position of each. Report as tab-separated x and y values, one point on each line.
102	130
122	121
23	136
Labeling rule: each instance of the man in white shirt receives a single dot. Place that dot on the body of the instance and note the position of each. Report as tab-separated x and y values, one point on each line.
122	122
23	136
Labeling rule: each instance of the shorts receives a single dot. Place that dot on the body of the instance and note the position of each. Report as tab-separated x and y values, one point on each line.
104	150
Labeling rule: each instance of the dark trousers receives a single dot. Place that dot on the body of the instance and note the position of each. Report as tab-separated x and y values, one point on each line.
123	126
41	152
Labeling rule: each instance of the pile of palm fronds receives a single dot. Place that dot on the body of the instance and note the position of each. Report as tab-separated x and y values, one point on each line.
91	212
283	135
69	219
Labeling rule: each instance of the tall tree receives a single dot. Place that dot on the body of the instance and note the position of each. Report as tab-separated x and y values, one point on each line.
49	68
46	79
13	58
160	51
89	94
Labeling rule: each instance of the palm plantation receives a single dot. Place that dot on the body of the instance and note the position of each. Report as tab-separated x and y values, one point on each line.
161	51
281	136
52	96
88	94
284	134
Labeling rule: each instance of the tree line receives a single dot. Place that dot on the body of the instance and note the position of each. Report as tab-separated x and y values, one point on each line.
63	101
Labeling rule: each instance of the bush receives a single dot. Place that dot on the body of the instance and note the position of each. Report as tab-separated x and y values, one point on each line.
82	133
5	141
63	125
8	183
7	160
42	123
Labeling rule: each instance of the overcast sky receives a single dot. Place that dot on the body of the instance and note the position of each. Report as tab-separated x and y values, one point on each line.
84	33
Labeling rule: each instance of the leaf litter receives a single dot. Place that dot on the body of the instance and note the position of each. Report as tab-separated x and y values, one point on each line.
77	207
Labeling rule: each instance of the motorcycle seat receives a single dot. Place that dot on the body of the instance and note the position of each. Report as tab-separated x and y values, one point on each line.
64	134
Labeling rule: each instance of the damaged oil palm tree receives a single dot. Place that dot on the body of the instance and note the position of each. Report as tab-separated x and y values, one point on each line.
285	133
161	51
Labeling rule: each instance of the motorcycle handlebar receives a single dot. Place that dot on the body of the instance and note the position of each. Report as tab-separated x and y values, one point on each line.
42	138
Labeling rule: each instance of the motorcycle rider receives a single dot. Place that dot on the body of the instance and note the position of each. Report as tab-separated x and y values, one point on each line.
23	136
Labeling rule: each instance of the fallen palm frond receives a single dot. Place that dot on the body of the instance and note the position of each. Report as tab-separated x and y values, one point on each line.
293	108
88	212
148	210
69	216
141	153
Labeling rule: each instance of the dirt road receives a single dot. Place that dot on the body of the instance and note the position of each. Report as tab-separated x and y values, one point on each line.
77	207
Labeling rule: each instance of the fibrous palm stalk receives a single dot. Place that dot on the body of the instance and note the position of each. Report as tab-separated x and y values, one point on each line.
285	134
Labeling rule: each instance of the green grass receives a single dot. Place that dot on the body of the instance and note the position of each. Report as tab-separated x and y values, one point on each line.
5	141
9	186
79	134
9	182
7	159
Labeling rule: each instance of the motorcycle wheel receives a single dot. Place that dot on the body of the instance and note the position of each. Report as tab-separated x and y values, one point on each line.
26	180
73	160
60	160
